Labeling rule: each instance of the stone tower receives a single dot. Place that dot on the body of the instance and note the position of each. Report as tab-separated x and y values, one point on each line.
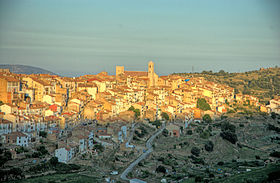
151	74
119	70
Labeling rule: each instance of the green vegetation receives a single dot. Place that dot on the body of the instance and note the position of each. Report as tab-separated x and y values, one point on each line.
99	147
21	150
69	177
228	132
209	146
195	151
165	132
11	174
269	173
41	152
207	118
205	134
43	134
202	104
165	116
136	112
5	155
156	123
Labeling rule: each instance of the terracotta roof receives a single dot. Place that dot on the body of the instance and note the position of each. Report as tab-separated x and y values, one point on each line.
136	73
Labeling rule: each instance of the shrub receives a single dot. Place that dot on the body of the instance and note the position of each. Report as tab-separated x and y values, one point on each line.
205	135
165	132
165	116
209	146
202	104
273	115
229	136
161	169
195	151
226	126
207	118
43	134
189	132
275	154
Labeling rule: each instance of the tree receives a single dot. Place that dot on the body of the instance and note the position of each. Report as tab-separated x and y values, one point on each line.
207	118
202	104
131	108
195	151
136	113
209	146
229	136
165	132
165	116
54	161
228	132
43	134
189	132
226	126
273	115
161	169
205	134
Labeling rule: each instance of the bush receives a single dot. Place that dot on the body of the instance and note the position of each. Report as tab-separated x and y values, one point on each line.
273	115
209	146
207	118
195	151
54	161
275	154
202	104
161	169
189	132
43	134
273	128
165	132
226	126
165	116
229	136
205	135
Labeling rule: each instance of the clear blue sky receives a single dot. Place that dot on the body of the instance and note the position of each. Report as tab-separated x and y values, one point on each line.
77	36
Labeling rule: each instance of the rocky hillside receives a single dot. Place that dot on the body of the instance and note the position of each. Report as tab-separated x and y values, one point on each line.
24	69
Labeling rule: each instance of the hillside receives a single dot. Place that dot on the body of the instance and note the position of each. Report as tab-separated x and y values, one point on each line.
24	69
263	83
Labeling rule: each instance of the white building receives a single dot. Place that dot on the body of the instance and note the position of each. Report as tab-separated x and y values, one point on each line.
16	138
64	154
5	126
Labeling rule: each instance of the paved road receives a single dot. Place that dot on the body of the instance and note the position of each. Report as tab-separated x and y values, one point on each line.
143	156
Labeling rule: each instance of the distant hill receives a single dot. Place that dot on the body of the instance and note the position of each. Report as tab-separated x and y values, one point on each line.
24	69
263	83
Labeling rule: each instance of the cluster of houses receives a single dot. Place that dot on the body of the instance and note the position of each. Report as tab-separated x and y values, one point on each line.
43	102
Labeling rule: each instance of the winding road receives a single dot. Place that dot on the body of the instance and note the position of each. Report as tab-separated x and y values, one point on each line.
142	156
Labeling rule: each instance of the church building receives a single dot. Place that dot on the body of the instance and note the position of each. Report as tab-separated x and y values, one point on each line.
151	75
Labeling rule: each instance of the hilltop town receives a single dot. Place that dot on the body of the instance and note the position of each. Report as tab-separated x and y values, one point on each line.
111	120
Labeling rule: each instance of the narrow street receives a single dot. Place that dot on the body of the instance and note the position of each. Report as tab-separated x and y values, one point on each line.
143	156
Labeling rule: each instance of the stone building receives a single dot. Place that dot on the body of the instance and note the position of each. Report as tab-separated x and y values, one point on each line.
151	75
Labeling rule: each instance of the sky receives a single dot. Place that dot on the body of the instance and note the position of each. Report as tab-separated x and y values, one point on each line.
76	37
